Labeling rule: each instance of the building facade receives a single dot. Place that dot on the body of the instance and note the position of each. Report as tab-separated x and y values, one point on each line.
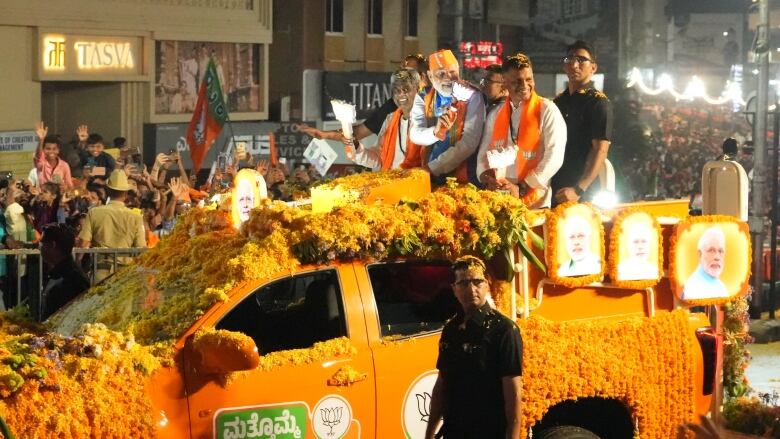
343	49
118	65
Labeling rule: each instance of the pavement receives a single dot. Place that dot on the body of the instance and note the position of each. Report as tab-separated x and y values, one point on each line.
765	331
763	372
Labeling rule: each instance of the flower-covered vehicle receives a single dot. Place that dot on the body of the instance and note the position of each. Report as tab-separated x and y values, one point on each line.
323	325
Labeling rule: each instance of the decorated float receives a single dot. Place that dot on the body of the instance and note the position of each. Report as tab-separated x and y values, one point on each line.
199	337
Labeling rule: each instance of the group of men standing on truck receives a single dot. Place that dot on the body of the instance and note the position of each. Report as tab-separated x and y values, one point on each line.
446	126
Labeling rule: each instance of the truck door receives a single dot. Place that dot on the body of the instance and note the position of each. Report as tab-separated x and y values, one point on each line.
296	322
406	305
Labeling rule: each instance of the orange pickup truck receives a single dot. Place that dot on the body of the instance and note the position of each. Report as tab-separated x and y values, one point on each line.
310	325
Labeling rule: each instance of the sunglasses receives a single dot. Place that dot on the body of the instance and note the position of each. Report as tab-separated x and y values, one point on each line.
466	282
573	59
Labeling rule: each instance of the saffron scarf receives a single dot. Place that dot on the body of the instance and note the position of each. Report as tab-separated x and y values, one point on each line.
528	135
413	156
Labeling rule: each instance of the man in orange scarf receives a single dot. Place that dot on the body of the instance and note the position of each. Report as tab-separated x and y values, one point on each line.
531	123
394	149
447	121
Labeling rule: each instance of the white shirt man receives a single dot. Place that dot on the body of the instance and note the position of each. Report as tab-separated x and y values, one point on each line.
536	172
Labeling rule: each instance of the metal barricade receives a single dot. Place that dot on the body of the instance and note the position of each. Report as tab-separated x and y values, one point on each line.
31	291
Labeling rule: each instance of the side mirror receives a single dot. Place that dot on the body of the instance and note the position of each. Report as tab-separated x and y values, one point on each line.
218	352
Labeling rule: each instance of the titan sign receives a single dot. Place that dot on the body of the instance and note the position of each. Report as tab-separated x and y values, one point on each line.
367	90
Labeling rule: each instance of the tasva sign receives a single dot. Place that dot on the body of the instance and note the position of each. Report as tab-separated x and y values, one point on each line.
97	55
82	54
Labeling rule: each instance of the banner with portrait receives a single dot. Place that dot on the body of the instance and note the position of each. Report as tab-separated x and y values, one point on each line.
635	250
575	254
710	259
180	66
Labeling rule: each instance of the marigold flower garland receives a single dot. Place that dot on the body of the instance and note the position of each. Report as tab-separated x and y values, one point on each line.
44	376
646	363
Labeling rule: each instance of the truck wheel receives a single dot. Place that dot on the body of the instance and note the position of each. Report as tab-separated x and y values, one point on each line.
566	432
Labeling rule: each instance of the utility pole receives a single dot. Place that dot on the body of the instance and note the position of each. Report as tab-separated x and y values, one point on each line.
757	219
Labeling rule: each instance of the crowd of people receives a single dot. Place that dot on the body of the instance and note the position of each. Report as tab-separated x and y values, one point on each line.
67	183
661	144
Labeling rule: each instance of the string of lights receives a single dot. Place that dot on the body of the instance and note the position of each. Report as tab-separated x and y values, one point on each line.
695	89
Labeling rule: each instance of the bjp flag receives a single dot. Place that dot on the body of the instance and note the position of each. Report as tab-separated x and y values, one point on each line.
207	119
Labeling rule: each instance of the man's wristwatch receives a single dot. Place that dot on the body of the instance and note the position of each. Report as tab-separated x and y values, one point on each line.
578	190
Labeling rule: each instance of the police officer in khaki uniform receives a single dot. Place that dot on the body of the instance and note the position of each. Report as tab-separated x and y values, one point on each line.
480	365
588	115
113	225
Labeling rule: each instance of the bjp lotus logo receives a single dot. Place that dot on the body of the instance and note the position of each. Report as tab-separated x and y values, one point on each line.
416	408
424	405
331	417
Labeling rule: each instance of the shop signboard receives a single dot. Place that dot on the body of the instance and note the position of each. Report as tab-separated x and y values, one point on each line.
290	141
367	90
16	152
480	54
73	57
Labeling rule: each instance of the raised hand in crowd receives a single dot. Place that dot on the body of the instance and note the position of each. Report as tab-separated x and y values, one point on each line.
179	189
82	131
274	175
41	130
262	167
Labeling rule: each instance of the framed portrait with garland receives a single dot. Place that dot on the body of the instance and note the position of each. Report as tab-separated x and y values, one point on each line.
710	259
575	251
635	250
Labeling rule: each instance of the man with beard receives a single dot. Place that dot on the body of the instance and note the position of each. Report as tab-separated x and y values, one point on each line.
532	123
705	281
394	149
447	121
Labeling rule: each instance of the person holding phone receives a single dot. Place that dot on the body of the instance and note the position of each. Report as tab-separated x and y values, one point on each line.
98	163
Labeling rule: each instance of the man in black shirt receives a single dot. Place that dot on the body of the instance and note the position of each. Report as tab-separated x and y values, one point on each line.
64	280
480	365
492	86
588	115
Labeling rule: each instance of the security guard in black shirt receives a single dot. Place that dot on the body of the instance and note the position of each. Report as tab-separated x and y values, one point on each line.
588	115
480	365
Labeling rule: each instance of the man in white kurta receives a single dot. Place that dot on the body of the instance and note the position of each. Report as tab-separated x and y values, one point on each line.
551	129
